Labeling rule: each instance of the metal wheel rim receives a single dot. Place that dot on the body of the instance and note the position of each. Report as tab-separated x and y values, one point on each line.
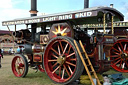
17	65
67	67
119	56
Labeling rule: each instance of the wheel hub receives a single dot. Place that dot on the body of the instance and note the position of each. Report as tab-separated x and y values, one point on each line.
61	60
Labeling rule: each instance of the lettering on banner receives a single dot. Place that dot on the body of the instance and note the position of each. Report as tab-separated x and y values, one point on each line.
51	18
85	14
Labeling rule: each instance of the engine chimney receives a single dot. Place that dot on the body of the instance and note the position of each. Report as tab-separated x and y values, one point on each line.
33	12
86	4
111	5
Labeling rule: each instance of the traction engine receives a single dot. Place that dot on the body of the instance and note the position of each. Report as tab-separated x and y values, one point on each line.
57	51
49	45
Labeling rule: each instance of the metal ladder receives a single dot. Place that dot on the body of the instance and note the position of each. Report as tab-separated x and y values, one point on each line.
87	64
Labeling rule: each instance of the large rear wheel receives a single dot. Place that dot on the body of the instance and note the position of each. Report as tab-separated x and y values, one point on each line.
19	66
119	56
61	60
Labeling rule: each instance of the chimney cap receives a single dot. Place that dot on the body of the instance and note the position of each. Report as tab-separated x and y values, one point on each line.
111	5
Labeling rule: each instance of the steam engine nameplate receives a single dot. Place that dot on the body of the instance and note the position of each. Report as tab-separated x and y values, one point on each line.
44	39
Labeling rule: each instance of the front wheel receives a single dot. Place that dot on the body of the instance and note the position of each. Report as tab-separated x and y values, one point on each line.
19	65
61	60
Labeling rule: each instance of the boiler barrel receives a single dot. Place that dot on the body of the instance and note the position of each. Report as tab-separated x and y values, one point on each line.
28	48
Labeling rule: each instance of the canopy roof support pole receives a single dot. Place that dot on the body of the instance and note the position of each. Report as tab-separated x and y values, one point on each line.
10	33
14	39
112	25
104	23
15	28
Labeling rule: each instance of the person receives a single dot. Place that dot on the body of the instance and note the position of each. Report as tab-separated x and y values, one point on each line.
1	56
2	50
18	50
9	51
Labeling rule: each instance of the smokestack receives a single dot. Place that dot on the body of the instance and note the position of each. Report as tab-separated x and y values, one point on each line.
33	10
86	4
111	5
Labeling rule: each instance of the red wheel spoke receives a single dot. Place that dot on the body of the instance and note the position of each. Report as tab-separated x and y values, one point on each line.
65	48
56	69
116	59
119	48
60	71
66	70
21	68
55	51
73	59
70	69
20	60
69	49
123	65
19	71
71	64
115	49
125	47
59	50
115	55
117	62
54	56
71	54
63	74
54	65
121	45
120	64
61	46
52	60
17	62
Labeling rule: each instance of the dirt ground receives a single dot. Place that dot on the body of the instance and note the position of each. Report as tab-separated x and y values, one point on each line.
32	78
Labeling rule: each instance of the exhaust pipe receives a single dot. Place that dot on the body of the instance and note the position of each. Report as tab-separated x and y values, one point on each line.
86	4
33	12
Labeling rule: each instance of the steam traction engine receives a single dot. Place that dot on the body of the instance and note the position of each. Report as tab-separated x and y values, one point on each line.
52	47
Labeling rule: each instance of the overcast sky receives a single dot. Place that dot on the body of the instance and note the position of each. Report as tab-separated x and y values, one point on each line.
12	9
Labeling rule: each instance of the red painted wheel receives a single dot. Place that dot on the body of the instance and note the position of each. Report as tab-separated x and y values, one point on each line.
40	67
119	56
61	60
19	66
61	29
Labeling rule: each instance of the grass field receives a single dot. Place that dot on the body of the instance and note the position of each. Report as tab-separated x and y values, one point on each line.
32	78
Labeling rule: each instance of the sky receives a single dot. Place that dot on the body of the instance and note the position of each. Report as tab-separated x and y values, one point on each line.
12	9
